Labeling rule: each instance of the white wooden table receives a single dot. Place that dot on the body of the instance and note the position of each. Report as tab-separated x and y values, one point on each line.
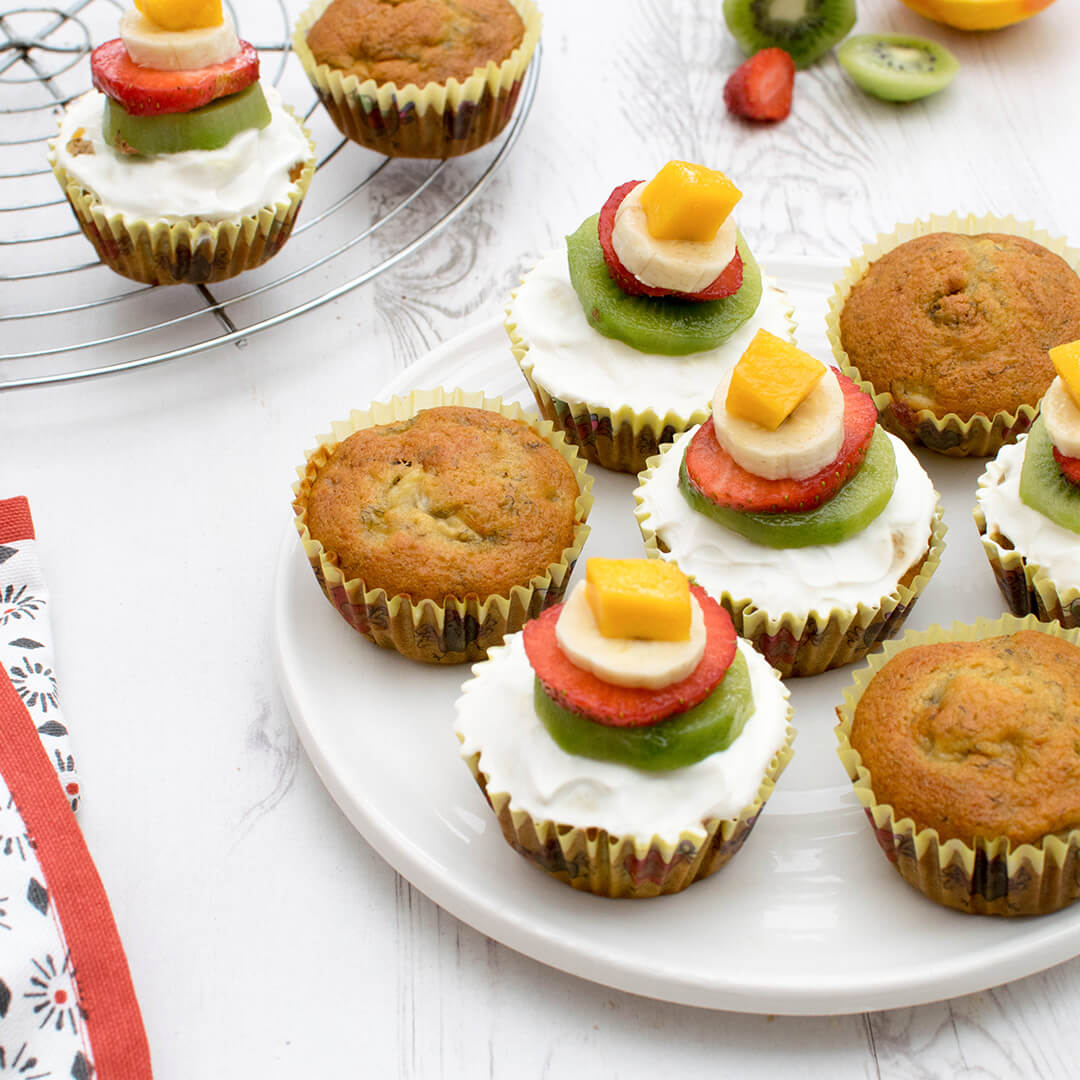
265	937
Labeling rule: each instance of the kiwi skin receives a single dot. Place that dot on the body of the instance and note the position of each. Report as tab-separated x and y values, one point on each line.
805	40
897	67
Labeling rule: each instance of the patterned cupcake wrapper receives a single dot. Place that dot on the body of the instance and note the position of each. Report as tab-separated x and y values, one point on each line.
629	867
441	120
979	435
458	630
185	252
617	438
819	641
986	877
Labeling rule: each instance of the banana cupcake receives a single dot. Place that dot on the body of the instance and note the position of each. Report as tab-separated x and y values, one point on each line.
948	322
1028	504
962	746
181	167
626	740
418	78
623	335
814	527
439	522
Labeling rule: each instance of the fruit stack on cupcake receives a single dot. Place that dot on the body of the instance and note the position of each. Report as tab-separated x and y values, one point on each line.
1028	511
626	739
810	522
181	131
623	336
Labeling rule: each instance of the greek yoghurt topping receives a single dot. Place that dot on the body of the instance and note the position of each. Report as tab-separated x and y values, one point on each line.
575	363
1054	549
859	570
251	172
495	717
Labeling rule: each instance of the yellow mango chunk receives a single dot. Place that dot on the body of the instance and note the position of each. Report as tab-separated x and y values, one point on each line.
687	202
1066	361
639	598
771	380
182	14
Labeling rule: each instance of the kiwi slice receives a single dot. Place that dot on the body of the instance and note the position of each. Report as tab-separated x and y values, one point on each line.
1043	486
684	739
208	128
656	324
805	29
897	67
848	512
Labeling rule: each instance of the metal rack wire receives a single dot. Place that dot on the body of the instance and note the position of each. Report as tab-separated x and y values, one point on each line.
364	214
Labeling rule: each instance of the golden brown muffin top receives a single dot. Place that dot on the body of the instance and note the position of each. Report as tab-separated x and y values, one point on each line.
961	324
415	41
977	738
451	502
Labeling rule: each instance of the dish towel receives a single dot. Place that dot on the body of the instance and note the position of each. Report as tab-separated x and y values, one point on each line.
67	1004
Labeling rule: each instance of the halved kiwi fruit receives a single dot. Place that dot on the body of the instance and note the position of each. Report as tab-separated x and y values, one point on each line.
1043	486
805	29
897	67
208	128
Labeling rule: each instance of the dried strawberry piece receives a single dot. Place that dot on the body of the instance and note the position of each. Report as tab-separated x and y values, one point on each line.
588	695
1070	467
716	474
728	282
761	88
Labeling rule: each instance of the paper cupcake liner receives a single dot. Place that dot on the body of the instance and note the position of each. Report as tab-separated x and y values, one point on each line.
441	120
984	878
1025	586
455	631
817	642
185	252
980	435
618	438
629	867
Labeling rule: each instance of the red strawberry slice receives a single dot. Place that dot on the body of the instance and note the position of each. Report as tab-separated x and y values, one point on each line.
716	474
1070	466
728	282
588	695
146	91
761	88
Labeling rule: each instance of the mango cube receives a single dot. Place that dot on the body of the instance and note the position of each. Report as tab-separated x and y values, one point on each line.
639	598
182	14
687	202
771	380
1066	361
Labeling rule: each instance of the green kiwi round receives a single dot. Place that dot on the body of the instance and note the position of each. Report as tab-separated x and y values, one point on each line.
897	67
665	325
769	24
1043	486
208	128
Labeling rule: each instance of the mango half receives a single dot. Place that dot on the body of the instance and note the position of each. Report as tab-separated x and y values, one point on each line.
977	14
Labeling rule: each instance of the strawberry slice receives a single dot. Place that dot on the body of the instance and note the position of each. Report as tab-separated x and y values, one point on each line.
146	91
761	88
1070	466
588	695
716	474
729	280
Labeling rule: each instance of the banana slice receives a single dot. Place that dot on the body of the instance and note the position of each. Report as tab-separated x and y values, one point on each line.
176	50
1062	418
627	661
683	265
807	441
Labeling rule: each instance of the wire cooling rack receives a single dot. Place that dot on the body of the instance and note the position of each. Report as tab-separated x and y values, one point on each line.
64	316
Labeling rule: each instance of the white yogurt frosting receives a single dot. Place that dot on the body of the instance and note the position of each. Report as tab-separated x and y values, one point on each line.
574	362
859	570
251	172
1053	548
495	717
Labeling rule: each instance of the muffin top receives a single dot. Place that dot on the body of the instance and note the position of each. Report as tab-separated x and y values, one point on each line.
451	502
977	738
961	324
414	41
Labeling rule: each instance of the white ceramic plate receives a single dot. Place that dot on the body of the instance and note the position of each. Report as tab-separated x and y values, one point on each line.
809	918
